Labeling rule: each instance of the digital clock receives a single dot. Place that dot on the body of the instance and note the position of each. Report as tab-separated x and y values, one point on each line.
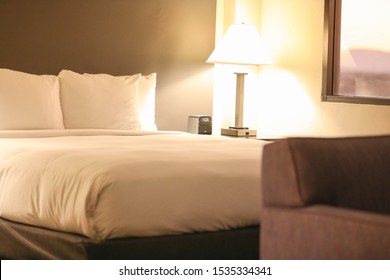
199	124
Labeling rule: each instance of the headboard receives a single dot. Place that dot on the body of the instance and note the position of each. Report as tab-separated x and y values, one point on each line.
118	37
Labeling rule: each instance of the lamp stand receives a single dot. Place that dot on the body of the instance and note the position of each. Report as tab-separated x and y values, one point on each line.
238	130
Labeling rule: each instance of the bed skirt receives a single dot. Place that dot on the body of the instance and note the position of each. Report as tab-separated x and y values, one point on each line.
20	241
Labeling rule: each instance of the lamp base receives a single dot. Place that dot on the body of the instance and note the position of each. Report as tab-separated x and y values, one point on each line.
238	132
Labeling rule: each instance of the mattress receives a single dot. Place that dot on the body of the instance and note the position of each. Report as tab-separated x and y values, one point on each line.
106	184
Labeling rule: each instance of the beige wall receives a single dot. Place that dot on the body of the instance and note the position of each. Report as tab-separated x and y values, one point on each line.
285	100
118	37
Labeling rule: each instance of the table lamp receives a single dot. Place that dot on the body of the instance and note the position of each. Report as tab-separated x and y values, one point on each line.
240	45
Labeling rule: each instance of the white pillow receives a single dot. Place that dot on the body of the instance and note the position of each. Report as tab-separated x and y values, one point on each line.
99	101
29	101
147	101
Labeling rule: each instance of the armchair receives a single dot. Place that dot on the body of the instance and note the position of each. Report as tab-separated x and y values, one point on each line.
326	198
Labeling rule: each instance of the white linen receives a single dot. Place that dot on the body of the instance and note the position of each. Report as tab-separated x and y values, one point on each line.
107	184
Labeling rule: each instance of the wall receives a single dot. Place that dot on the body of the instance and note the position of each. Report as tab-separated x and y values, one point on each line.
170	37
285	99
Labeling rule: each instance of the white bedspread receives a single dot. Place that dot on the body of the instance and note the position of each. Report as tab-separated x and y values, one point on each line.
106	184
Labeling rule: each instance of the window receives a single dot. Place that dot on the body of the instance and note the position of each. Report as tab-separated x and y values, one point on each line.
357	51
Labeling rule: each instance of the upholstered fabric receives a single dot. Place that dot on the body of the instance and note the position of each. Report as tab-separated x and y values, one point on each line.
326	198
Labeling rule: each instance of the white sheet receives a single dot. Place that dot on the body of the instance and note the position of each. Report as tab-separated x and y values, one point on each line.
105	184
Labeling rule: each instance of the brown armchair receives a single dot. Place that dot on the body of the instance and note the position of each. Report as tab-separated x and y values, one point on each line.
326	198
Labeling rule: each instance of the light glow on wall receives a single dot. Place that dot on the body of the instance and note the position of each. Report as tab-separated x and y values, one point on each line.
283	105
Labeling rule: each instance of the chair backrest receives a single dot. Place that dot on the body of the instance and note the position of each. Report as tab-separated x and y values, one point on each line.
346	172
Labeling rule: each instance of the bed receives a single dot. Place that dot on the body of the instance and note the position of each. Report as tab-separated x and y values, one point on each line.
79	184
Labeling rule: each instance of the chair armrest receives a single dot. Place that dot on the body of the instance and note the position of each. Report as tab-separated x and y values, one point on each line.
279	176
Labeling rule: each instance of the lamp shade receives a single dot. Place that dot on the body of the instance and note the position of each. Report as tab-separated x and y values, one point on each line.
241	44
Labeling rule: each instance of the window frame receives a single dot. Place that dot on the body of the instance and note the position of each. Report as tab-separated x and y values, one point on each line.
331	55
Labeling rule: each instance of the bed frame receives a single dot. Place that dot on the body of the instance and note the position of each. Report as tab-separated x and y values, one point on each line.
19	241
